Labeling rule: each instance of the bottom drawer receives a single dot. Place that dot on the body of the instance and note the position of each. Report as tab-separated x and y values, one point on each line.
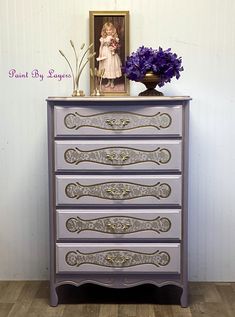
114	257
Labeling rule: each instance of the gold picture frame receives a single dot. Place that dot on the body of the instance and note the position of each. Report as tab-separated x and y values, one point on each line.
109	31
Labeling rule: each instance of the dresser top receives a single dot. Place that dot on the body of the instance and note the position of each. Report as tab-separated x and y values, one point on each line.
130	98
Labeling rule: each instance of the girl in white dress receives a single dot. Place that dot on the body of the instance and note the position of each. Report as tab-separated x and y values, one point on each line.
108	58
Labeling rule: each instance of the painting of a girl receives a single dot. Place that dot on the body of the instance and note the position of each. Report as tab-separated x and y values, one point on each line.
109	59
110	35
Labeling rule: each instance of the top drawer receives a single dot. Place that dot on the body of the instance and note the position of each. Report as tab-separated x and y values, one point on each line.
110	120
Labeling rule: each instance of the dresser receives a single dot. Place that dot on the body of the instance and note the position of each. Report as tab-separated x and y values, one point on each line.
118	170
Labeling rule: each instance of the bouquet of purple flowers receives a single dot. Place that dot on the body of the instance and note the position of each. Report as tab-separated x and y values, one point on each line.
162	63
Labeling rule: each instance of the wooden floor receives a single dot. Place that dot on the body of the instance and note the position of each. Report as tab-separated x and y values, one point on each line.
31	299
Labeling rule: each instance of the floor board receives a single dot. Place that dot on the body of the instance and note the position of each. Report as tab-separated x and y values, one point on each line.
30	299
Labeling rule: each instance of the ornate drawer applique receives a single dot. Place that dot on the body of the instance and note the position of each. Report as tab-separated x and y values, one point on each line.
118	224
117	258
158	120
143	223
117	156
118	190
117	120
124	189
89	155
133	257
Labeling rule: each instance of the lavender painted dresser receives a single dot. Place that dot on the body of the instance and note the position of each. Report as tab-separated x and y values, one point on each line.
118	191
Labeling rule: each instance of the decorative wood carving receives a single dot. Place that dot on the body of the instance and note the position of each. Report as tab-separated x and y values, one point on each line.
117	156
118	224
117	258
118	190
117	120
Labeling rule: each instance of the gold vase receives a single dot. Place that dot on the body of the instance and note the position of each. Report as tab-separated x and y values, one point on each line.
150	81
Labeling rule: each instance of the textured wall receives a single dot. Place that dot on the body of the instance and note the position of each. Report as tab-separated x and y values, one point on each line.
31	32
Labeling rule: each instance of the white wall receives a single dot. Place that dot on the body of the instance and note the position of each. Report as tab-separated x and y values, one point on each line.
203	33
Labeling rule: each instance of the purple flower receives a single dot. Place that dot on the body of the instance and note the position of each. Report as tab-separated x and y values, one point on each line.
163	63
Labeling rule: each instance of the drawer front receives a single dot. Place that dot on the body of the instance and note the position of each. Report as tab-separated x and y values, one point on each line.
118	155
134	120
121	224
129	189
112	257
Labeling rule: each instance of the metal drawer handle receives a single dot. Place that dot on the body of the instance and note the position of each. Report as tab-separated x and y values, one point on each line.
113	156
115	122
117	259
118	191
118	226
124	156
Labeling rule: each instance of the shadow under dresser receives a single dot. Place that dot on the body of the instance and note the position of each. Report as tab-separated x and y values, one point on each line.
118	170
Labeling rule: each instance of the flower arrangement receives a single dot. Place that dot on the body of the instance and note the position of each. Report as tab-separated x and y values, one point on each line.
160	62
114	45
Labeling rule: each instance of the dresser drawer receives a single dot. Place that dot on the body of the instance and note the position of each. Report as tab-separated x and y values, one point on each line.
119	224
113	257
120	189
118	155
103	120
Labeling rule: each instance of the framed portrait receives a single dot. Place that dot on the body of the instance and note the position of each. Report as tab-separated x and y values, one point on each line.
109	31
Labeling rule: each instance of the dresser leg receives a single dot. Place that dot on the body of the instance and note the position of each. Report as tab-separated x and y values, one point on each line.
184	298
54	297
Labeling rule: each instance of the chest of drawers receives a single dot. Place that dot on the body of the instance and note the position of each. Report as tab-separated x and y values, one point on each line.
118	192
